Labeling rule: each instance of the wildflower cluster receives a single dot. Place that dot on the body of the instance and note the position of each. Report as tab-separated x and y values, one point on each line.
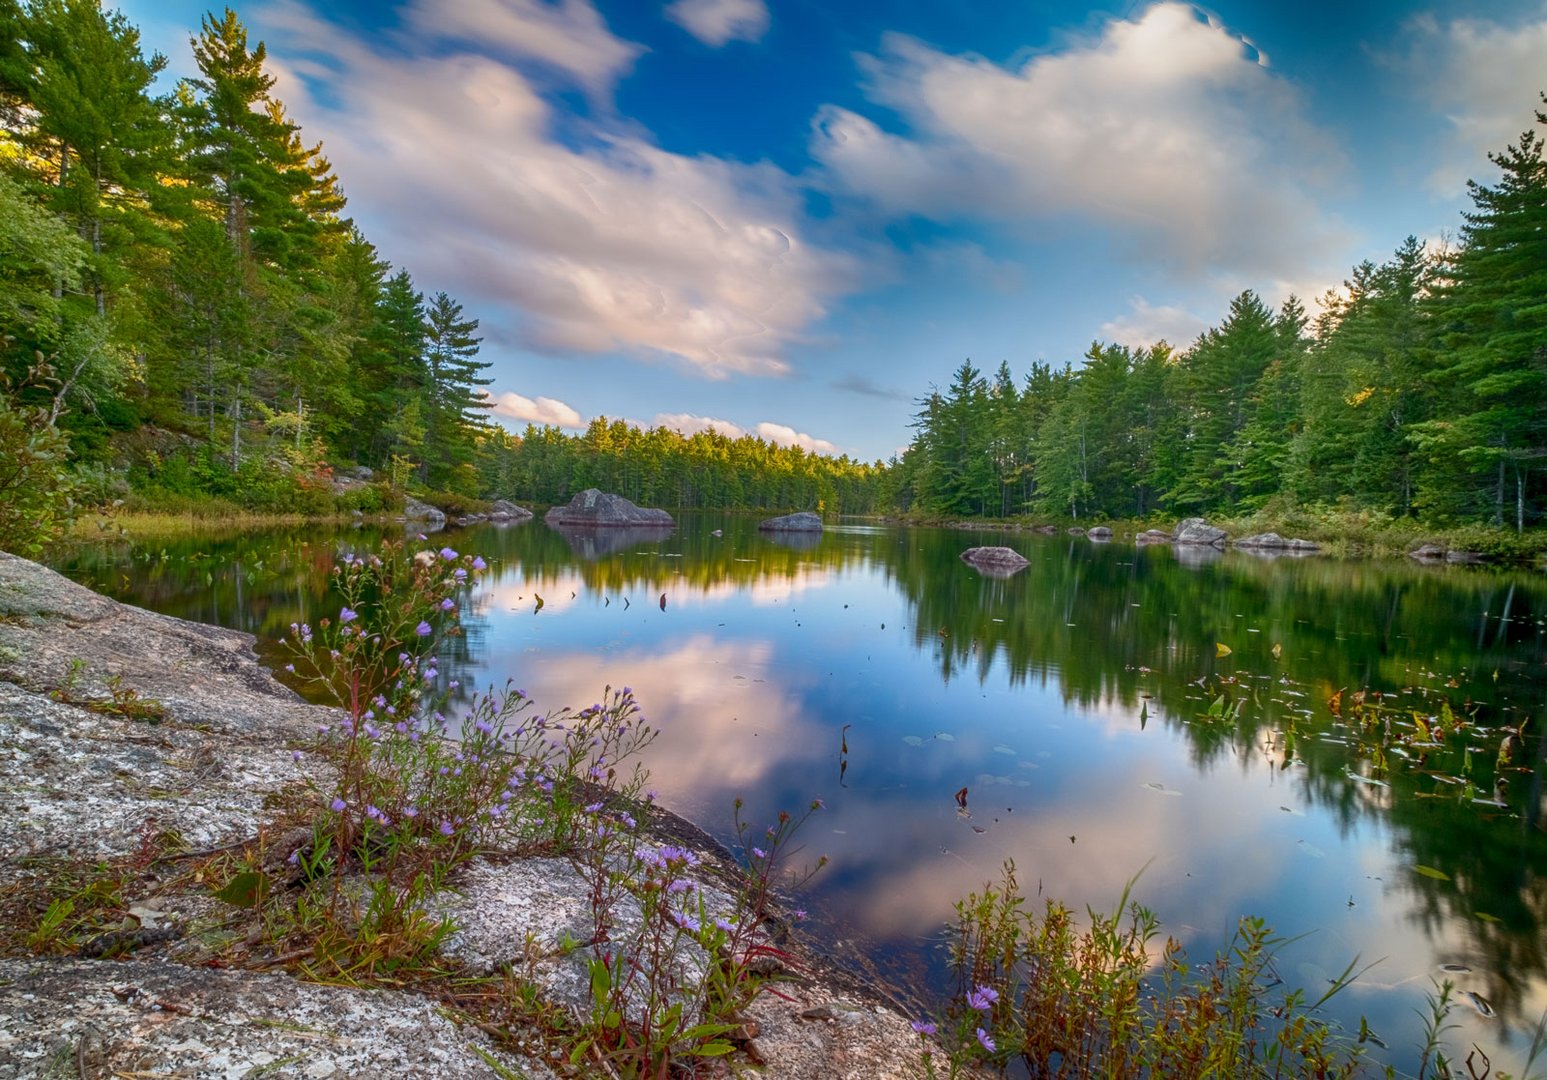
420	786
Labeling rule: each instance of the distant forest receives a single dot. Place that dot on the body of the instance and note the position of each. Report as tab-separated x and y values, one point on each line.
1419	390
189	314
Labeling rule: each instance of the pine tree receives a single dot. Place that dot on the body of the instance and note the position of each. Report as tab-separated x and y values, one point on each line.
1491	325
457	405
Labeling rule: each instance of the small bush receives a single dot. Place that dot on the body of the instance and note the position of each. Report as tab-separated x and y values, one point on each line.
35	484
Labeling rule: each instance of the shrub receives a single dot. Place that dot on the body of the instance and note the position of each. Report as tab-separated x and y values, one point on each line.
35	484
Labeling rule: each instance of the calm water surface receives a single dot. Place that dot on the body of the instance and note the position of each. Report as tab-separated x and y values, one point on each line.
1084	703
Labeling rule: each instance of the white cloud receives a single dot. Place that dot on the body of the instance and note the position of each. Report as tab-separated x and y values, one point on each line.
689	424
570	35
1484	78
1168	130
784	435
714	22
543	411
1146	324
606	242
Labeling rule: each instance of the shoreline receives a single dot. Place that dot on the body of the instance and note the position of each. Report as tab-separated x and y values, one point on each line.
149	752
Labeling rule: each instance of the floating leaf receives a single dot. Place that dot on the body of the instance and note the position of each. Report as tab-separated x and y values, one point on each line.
945	736
1278	651
1161	789
1479	1003
1485	917
1430	872
913	740
1004	750
1312	850
1221	649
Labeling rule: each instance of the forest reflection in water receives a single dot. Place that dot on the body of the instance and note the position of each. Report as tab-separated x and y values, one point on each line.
1313	740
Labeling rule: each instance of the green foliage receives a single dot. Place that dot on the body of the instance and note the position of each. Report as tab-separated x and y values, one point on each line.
35	481
1066	1001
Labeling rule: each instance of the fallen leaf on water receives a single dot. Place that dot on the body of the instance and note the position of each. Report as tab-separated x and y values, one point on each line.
1278	651
1312	850
1430	872
1221	649
663	601
1479	1003
961	798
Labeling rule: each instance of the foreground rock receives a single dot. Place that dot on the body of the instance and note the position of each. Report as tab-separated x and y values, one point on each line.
69	1018
995	560
1198	531
197	758
805	521
602	509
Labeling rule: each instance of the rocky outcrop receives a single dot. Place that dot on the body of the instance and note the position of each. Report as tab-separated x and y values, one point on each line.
1198	531
129	734
801	522
999	561
1075	530
1272	541
1437	553
414	510
1100	534
1153	536
502	510
599	509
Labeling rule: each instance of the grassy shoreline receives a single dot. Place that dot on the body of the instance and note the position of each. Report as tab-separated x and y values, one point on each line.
1346	534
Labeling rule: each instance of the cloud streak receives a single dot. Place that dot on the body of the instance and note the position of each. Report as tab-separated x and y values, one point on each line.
607	243
1168	130
716	22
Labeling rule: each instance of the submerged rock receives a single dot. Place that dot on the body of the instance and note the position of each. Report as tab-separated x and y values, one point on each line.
1428	553
995	560
805	521
1100	532
1153	536
603	509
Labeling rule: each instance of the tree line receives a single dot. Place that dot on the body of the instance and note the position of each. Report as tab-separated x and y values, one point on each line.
1419	390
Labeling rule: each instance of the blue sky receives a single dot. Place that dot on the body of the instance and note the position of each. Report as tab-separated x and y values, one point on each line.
791	217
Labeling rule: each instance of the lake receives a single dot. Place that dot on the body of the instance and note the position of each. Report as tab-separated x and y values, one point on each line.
1193	715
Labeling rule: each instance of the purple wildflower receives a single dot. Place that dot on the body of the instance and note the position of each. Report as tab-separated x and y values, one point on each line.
447	554
983	998
447	604
446	828
686	921
479	564
345	615
338	804
986	1040
924	1027
423	629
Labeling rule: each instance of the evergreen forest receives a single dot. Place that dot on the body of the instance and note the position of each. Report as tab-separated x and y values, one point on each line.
1418	391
